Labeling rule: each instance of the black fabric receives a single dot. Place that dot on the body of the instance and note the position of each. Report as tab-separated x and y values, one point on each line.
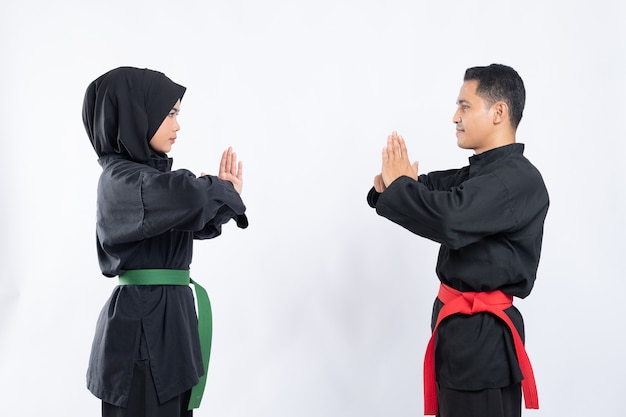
496	402
488	218
123	109
147	218
144	400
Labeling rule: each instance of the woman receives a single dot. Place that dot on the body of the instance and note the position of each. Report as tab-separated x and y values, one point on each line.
146	354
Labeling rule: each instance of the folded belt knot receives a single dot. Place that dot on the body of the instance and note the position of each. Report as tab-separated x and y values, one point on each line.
494	302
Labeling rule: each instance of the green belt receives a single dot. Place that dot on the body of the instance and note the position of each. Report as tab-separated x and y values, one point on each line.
205	318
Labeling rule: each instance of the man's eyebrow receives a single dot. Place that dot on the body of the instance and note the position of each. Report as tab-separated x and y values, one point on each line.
462	102
176	109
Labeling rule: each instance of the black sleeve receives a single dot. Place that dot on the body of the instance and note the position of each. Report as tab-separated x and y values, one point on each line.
214	227
443	180
178	200
456	217
438	180
372	197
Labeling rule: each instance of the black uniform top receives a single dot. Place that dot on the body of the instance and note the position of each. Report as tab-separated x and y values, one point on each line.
489	218
147	218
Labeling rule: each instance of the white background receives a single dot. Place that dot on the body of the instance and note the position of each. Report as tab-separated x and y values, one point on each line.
321	307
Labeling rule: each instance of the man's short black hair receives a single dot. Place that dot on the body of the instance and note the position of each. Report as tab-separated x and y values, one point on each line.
500	83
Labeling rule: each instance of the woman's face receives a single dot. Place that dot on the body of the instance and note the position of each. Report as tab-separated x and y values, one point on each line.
165	136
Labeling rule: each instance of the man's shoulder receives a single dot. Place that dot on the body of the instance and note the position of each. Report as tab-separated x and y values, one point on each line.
521	165
521	177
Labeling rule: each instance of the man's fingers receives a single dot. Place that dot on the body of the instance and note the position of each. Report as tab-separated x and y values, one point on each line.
391	147
379	185
403	151
394	147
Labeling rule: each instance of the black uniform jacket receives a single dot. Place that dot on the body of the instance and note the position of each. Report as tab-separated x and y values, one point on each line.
488	218
147	217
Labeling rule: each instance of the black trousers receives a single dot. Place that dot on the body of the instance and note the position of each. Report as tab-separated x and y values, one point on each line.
500	402
143	400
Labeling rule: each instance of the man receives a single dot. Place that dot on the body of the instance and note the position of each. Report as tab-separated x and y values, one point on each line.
488	218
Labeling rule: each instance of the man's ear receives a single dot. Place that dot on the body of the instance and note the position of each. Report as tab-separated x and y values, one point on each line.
500	112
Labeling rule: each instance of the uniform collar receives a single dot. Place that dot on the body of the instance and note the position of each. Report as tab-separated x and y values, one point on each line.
160	162
495	154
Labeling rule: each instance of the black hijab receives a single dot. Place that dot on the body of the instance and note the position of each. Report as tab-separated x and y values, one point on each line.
124	108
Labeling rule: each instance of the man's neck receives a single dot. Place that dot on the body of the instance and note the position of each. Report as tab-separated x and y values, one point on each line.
496	142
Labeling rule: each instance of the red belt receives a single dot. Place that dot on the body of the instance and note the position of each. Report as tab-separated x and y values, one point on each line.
494	302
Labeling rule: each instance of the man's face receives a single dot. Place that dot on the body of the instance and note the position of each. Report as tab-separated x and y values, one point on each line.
165	136
473	119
